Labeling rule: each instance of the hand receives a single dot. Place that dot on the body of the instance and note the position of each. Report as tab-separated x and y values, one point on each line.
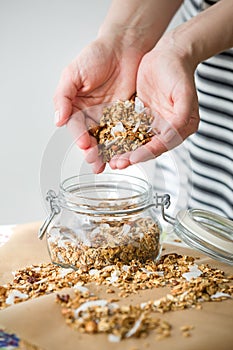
165	83
101	73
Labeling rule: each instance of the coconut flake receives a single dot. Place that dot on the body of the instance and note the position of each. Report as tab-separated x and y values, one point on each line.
94	272
81	289
127	104
160	273
108	144
114	276
10	300
126	229
170	297
147	271
134	329
143	305
220	295
113	306
43	280
194	272
139	105
114	338
85	306
181	296
63	272
119	127
37	269
157	302
136	126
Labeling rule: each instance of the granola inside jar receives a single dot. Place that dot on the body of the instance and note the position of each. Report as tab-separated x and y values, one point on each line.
103	219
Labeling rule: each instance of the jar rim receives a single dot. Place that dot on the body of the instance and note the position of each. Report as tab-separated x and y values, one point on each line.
113	189
207	232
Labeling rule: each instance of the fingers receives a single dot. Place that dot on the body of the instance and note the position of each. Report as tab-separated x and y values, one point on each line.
120	161
92	157
149	151
98	167
65	93
91	154
78	125
185	106
167	139
78	129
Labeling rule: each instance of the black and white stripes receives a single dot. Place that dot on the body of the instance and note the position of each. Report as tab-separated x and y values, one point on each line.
210	169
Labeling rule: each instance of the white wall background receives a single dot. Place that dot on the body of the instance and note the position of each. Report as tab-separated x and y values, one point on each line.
37	40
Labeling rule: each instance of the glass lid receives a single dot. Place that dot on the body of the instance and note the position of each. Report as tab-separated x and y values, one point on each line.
208	232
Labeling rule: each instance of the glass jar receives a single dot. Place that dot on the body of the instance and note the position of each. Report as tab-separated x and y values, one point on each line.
100	220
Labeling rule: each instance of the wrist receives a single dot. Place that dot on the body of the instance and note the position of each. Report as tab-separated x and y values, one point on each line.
203	36
174	44
138	24
127	37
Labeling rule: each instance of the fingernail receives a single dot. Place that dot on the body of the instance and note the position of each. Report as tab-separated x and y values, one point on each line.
57	117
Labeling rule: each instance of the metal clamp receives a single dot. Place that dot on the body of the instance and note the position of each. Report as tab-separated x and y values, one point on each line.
55	209
164	202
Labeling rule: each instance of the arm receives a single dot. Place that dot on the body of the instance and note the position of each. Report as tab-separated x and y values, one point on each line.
205	35
165	80
137	23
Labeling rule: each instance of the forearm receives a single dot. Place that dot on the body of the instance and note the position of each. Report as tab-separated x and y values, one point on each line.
136	23
205	35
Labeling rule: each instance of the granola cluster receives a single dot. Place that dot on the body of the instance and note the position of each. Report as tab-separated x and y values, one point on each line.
190	286
105	243
124	126
88	314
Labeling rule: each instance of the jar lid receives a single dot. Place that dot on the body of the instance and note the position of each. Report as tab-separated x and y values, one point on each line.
207	232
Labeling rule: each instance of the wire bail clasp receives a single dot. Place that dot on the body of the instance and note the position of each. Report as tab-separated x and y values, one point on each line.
55	209
164	202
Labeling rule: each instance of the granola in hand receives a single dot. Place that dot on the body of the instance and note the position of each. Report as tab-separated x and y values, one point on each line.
124	126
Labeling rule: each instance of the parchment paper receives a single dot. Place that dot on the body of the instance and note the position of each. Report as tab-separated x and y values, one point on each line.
40	321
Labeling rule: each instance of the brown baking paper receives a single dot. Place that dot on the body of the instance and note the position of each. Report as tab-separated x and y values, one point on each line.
39	321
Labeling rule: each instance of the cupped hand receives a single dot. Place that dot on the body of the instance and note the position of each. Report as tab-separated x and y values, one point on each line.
101	73
165	83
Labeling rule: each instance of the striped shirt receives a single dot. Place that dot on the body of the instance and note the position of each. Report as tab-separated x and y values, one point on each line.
199	173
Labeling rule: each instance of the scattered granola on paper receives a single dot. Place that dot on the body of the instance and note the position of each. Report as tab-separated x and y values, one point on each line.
88	314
